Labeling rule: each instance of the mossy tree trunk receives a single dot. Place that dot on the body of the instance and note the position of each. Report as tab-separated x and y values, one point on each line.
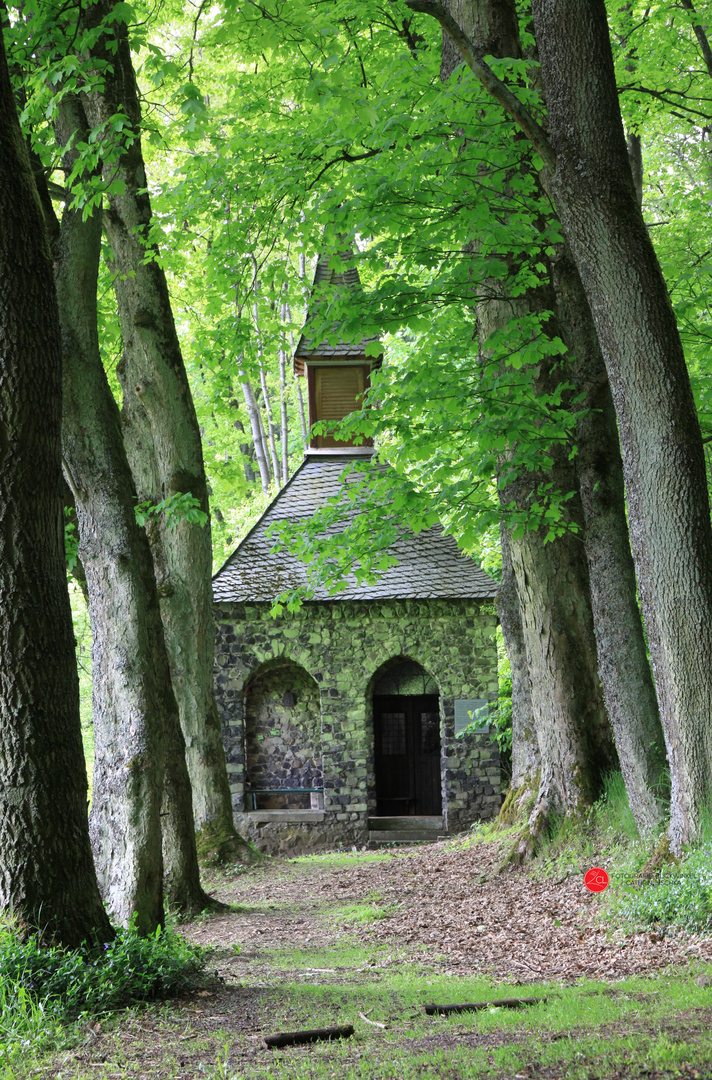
598	480
553	636
525	748
142	817
164	449
594	194
622	655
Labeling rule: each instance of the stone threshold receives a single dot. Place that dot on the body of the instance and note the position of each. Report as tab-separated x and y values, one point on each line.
413	821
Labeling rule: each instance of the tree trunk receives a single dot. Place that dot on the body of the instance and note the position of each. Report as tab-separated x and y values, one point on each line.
244	451
302	414
572	728
283	400
263	437
525	748
552	583
263	379
622	655
134	706
162	439
660	436
300	396
622	659
270	424
575	747
253	413
128	736
182	890
635	157
47	876
305	296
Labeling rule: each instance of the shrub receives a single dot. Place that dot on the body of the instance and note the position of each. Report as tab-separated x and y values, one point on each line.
43	988
681	895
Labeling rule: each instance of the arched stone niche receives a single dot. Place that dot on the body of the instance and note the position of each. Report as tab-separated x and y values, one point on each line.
282	738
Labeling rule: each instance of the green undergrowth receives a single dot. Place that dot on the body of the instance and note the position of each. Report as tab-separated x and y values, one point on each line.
679	895
45	992
589	1029
644	890
605	833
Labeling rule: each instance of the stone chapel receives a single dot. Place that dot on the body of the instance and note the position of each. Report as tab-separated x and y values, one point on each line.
342	722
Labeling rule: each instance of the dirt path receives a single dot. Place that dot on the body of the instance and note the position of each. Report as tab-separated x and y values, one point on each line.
449	900
309	939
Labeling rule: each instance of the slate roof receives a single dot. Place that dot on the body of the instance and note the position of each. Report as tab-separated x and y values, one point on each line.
325	274
430	565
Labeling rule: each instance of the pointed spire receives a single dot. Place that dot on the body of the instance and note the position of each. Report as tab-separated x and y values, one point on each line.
326	274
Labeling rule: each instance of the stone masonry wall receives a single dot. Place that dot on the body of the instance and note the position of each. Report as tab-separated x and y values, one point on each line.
344	646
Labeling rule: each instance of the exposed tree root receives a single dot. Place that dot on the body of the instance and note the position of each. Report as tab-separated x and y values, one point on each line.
519	803
660	857
193	904
518	808
219	846
531	809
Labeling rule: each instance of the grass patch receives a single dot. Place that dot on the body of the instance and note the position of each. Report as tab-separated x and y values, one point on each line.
348	954
45	990
366	913
577	1031
343	858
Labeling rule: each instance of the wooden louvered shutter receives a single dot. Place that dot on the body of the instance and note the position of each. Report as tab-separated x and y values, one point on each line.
339	391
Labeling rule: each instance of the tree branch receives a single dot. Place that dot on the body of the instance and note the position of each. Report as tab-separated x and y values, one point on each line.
472	55
347	158
58	192
701	37
196	20
660	95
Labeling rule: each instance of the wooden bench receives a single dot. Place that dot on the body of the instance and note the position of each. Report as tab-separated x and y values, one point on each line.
254	792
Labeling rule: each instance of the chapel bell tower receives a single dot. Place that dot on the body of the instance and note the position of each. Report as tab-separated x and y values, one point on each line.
337	375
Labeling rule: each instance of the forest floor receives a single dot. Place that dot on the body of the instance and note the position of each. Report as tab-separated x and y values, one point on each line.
368	938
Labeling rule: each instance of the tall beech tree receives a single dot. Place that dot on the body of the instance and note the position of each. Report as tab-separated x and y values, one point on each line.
605	600
47	874
142	827
589	177
512	289
575	745
162	439
593	190
623	664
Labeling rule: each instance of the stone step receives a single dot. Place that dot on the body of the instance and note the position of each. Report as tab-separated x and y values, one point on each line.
403	836
434	824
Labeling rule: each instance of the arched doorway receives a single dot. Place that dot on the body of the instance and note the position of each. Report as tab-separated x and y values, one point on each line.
406	728
283	760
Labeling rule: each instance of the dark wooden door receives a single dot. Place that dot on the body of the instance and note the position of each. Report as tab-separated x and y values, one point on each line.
407	753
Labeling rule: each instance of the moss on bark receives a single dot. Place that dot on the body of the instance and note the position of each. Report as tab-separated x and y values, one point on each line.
217	846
